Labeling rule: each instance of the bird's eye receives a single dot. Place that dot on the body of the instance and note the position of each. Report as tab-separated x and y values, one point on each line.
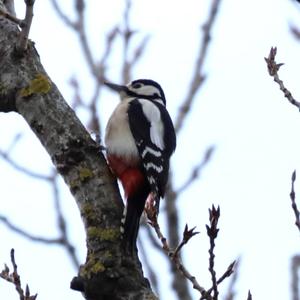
137	85
156	95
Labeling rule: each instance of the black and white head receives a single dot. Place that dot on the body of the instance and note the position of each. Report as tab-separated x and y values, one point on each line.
141	88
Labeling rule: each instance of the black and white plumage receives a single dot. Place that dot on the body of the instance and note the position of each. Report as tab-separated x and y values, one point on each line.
140	139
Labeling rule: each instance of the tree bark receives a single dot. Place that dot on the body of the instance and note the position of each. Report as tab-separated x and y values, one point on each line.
26	89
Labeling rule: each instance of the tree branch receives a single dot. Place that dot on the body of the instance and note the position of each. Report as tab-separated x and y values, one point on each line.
212	232
15	279
293	199
295	266
26	24
78	159
198	76
273	69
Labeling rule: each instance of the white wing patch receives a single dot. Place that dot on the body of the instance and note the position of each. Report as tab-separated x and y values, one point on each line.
151	151
150	165
152	113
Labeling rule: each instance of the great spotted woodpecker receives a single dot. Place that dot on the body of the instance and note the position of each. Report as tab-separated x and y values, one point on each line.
139	138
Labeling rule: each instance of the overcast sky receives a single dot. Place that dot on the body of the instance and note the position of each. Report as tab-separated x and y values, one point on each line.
240	110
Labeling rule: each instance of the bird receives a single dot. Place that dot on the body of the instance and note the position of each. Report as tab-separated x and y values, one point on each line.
139	139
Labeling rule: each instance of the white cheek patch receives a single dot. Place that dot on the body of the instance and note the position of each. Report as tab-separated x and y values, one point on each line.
152	113
147	90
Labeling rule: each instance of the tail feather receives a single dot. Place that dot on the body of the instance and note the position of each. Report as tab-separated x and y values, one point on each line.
134	210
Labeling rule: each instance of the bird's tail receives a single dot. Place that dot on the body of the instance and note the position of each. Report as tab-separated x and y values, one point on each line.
131	219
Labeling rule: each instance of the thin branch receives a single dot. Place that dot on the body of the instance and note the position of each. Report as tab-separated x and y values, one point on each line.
62	16
9	16
15	279
187	235
139	50
24	24
273	69
249	295
27	235
9	160
127	35
23	40
295	266
295	31
196	172
212	232
10	6
94	123
293	199
230	270
80	28
230	294
198	76
64	239
152	238
175	258
180	286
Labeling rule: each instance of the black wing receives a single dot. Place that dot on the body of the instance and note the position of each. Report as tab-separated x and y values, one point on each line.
155	160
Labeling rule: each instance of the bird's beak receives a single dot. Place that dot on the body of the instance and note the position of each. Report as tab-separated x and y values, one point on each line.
116	87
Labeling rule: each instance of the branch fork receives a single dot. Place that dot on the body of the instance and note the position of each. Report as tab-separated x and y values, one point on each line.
24	24
174	255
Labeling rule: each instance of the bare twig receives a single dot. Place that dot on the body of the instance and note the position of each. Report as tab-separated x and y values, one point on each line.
62	240
273	69
15	165
27	235
9	16
80	28
24	24
198	76
63	16
293	199
212	232
197	170
180	286
152	238
230	270
295	266
187	235
23	40
15	279
230	294
175	258
10	6
94	123
127	35
295	31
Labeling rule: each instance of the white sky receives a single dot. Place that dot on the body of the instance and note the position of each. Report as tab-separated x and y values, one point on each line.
239	109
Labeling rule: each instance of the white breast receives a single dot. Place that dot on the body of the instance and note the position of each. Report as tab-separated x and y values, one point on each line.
118	138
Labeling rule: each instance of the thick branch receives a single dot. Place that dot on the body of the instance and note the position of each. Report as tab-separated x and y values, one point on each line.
81	164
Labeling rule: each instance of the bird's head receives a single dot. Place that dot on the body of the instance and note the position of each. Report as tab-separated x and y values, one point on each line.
141	88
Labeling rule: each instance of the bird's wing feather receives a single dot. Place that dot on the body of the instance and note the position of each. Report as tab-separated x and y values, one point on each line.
144	121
